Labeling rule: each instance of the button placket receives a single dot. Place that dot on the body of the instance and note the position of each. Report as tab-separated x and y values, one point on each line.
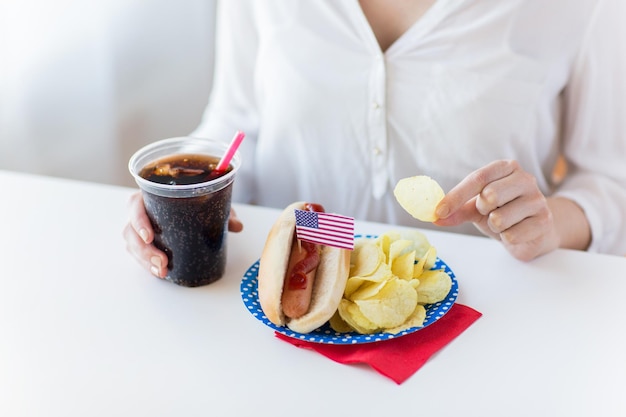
378	126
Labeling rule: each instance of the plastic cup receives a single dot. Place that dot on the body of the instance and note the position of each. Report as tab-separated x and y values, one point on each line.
190	221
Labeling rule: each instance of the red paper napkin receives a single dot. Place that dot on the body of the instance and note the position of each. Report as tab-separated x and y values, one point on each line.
399	358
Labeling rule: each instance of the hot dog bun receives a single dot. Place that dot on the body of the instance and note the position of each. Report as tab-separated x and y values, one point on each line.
330	280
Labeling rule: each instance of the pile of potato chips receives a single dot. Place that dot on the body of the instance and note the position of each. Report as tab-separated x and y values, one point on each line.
391	279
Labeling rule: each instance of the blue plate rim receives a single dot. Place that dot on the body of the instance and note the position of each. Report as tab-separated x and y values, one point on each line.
325	334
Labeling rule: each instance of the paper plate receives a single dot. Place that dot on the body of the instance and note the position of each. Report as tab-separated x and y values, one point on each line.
325	334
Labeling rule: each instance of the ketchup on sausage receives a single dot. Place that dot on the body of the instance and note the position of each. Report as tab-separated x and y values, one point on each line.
297	279
304	260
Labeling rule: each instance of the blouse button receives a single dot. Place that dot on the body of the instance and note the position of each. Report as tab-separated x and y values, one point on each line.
377	151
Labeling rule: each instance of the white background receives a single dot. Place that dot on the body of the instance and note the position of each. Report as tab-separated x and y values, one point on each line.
83	84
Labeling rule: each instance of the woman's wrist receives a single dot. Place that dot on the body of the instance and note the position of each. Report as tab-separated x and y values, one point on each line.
571	223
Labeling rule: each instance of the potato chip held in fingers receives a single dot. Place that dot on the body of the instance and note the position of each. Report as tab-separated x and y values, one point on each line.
419	196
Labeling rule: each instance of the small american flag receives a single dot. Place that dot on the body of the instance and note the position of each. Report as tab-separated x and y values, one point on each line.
325	229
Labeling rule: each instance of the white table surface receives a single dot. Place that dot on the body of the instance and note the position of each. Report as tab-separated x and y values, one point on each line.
84	331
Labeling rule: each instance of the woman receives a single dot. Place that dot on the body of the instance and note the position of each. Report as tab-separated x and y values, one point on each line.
341	99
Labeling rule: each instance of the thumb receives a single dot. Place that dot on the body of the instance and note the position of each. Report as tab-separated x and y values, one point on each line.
466	213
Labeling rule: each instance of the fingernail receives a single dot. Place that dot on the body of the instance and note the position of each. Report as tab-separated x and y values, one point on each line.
144	235
442	211
156	266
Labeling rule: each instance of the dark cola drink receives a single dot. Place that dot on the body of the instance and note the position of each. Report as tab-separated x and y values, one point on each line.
188	204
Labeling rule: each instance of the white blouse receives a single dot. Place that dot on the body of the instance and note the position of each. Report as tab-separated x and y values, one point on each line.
332	119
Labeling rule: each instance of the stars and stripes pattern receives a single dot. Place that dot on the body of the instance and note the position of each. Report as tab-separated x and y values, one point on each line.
325	228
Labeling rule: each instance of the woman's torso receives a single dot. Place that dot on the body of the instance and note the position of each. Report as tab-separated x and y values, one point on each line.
470	82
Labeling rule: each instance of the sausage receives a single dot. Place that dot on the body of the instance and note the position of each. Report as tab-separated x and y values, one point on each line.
298	285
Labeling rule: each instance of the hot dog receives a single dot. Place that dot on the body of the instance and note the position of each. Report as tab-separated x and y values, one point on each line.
300	283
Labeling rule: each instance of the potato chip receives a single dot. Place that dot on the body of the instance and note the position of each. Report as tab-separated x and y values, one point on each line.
414	283
383	272
353	316
431	257
352	285
384	241
398	248
434	286
403	265
419	239
358	244
386	238
419	196
426	262
338	324
418	268
416	319
367	290
365	259
393	304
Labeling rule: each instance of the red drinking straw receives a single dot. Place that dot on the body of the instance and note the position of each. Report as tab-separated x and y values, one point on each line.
230	152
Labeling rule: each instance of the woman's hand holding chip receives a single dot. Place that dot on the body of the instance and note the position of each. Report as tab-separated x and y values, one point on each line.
504	202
